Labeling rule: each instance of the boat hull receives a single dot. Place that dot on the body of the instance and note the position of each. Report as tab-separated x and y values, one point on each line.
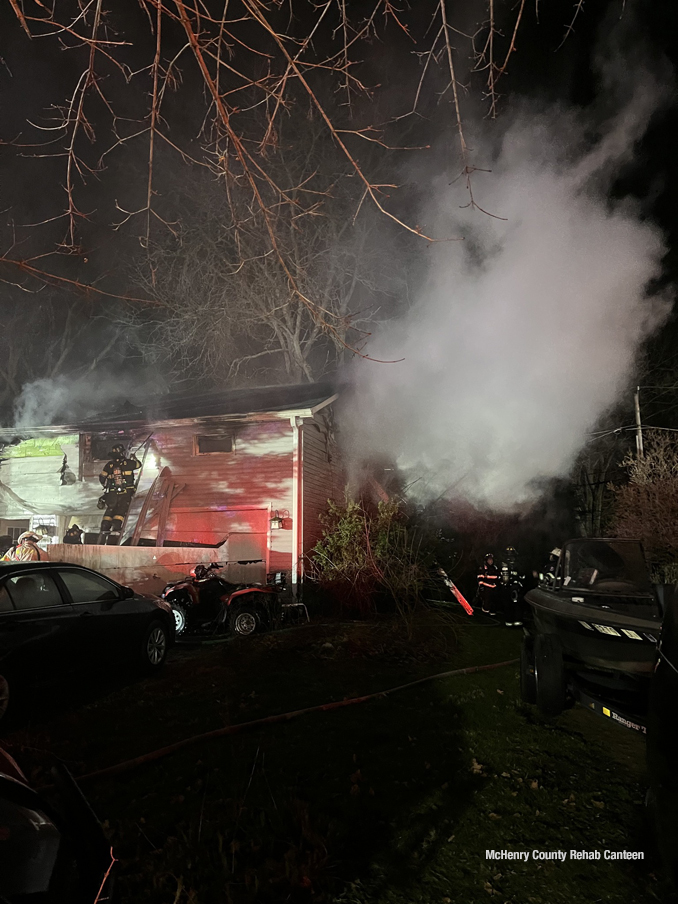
596	637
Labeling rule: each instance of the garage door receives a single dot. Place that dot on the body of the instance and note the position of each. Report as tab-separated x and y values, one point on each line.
244	530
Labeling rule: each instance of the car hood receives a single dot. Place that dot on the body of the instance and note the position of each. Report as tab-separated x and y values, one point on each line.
156	600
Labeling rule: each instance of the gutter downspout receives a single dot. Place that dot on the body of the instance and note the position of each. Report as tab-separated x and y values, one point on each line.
296	423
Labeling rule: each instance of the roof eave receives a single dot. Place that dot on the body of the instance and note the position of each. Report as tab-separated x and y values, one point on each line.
324	404
147	424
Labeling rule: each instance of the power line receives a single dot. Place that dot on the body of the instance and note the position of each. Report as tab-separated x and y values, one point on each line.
667	429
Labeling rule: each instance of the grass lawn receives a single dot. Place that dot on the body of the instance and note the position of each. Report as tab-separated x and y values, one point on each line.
393	801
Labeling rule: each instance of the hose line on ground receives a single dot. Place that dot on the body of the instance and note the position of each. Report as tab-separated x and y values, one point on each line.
281	717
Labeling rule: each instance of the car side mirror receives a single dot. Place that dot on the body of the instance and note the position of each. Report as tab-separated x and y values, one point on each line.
127	593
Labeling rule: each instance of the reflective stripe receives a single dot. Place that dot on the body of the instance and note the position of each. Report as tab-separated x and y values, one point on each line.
25	553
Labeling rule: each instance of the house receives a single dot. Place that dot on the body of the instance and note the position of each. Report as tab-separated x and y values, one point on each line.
248	471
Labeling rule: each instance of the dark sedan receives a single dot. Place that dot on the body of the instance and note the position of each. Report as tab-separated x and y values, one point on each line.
56	617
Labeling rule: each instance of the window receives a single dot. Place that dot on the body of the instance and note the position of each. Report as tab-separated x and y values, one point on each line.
615	566
5	601
100	446
216	442
88	588
33	591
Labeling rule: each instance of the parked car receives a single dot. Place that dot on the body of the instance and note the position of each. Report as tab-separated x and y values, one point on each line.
56	617
52	846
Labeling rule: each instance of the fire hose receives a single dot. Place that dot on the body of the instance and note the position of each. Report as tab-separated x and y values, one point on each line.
281	717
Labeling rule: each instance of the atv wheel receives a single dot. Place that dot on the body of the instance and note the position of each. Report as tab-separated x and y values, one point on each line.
179	619
549	673
528	685
244	622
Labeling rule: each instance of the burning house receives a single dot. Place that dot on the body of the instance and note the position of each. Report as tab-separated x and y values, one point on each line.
239	476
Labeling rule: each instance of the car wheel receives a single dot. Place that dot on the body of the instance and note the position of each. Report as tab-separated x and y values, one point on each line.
528	684
244	622
549	673
155	646
4	696
179	619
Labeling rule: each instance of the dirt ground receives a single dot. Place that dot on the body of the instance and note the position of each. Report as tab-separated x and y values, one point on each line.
393	800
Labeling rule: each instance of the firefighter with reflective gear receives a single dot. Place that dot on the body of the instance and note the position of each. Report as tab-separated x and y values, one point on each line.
26	550
73	535
488	584
512	582
117	479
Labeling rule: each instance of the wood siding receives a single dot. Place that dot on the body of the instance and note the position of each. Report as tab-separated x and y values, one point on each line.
245	485
323	476
224	493
256	475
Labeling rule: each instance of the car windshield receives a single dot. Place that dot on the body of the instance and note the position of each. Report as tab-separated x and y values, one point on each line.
606	566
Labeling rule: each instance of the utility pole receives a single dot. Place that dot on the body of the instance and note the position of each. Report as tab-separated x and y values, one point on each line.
639	429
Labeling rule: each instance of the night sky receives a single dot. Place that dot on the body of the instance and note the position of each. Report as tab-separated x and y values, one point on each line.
37	75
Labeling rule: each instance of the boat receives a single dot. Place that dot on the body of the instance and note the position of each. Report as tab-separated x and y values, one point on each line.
598	616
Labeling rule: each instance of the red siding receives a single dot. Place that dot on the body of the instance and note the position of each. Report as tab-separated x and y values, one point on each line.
258	471
257	474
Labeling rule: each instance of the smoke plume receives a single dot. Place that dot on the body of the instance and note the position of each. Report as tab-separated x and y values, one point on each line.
67	400
525	332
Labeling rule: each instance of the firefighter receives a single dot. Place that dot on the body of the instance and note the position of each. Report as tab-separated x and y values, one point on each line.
73	535
26	550
488	584
512	587
117	479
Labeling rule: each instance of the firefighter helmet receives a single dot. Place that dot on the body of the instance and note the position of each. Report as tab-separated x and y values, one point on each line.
511	553
555	552
29	535
489	555
118	450
101	502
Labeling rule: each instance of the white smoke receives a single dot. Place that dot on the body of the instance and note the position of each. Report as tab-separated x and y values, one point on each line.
67	400
526	332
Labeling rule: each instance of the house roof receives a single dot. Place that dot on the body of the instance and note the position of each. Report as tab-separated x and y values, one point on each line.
302	399
218	403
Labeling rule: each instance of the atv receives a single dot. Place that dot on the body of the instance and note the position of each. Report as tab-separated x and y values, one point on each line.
205	603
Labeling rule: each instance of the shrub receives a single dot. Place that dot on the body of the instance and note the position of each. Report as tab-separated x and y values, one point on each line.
369	559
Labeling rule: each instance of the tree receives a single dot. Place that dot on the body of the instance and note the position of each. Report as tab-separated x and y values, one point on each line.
223	307
647	506
237	67
597	466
